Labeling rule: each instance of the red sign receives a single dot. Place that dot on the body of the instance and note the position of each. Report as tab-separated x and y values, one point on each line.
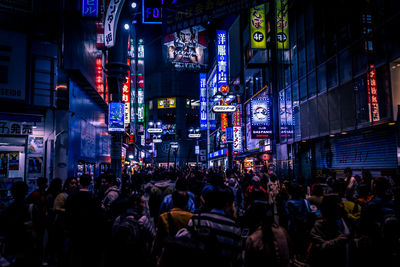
224	89
99	77
224	121
372	95
237	122
126	87
140	81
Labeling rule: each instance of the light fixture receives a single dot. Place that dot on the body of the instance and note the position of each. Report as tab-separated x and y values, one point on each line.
131	156
133	5
331	135
34	126
343	133
151	124
126	26
392	123
217	96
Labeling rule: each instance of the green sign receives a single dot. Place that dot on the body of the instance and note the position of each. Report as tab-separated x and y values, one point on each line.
282	24
258	28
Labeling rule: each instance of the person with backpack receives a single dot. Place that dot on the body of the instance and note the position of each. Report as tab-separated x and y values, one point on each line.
182	186
273	188
171	222
111	192
132	235
160	189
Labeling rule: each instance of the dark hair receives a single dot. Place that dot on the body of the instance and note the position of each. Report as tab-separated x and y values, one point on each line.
318	190
55	186
134	199
19	190
296	191
381	187
111	179
220	196
348	170
181	184
180	199
85	180
329	206
67	182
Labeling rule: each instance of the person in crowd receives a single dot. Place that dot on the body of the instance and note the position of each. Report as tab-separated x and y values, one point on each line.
273	188
214	179
222	227
317	194
269	243
350	180
255	191
61	244
16	227
132	235
181	185
330	235
82	225
111	192
170	222
161	188
299	219
237	194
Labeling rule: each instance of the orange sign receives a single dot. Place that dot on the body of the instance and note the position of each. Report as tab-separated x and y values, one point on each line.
224	89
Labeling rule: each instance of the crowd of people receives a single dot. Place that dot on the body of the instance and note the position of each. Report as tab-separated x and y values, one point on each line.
199	217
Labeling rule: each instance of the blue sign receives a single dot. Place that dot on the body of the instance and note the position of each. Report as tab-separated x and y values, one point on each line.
229	134
218	153
90	8
222	59
203	101
116	121
152	11
261	125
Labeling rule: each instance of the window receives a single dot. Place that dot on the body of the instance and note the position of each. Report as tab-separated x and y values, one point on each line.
321	74
331	70
345	70
303	89
312	84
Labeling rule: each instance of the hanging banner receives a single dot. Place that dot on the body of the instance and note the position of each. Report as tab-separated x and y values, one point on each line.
258	38
111	21
282	24
222	59
203	101
237	139
261	126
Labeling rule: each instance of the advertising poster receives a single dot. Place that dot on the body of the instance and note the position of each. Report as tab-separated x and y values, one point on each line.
258	28
116	117
203	101
237	129
13	161
282	24
3	164
35	145
260	116
166	103
35	165
186	50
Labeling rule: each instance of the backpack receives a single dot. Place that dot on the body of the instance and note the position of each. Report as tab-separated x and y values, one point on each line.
157	195
390	228
301	220
196	248
126	232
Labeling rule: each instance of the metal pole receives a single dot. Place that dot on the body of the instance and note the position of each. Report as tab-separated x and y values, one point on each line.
169	151
197	155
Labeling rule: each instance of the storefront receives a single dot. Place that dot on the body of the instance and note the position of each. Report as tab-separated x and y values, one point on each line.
218	159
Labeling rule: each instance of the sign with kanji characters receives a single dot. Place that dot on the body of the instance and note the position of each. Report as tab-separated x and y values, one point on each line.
258	38
282	24
116	117
15	128
373	104
237	139
111	21
224	121
222	58
203	101
90	8
186	50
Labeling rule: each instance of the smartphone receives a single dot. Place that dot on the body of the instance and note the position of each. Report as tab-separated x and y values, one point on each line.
245	233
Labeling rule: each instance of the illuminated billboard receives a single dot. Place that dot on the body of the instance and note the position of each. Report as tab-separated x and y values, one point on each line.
166	102
186	50
203	101
260	117
282	24
116	117
222	58
258	38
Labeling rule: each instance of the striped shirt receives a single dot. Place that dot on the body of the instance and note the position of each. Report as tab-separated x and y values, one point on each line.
226	230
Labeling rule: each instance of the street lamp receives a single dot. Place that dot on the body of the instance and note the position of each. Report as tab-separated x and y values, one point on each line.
195	133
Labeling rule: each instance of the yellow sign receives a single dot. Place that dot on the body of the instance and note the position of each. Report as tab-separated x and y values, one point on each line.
258	38
282	24
166	102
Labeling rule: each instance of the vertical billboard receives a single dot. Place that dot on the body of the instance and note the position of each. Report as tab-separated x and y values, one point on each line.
237	129
90	8
282	24
258	27
222	59
126	95
186	50
260	117
203	101
373	104
116	121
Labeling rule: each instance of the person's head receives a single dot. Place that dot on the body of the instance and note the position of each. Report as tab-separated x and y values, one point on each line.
296	191
331	208
42	183
348	172
19	190
381	187
180	199
318	190
84	180
366	175
55	186
221	197
70	184
136	201
110	180
273	178
256	181
363	190
182	184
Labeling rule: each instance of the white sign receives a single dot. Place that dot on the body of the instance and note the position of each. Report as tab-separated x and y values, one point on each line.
127	111
154	130
157	140
195	135
237	139
111	21
224	109
197	150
